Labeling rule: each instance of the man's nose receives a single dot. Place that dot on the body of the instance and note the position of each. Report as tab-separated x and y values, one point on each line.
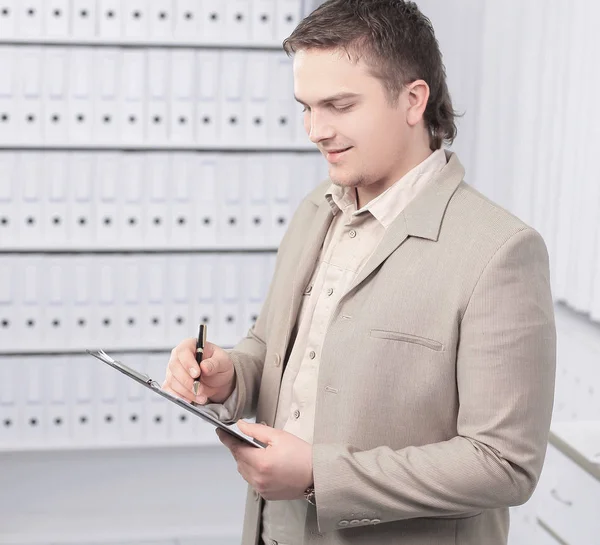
319	129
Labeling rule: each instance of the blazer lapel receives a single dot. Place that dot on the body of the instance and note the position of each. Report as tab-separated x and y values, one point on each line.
421	218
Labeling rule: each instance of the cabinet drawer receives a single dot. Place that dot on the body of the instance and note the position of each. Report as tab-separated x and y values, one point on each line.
568	500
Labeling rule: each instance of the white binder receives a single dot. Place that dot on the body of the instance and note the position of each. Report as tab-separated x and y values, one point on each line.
257	180
282	208
237	21
132	405
182	214
9	111
108	214
130	302
262	26
206	200
155	302
105	273
55	303
232	120
256	91
131	193
157	122
82	205
231	326
57	14
230	217
289	13
84	321
157	187
179	322
56	222
107	398
182	95
161	20
282	110
187	21
10	394
29	94
207	91
106	104
30	18
110	18
84	19
132	96
212	22
30	205
80	102
204	290
157	411
8	201
57	414
8	20
255	279
55	68
8	303
136	19
34	417
81	400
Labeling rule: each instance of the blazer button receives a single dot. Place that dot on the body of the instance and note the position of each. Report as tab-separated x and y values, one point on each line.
375	521
355	522
343	523
365	521
276	360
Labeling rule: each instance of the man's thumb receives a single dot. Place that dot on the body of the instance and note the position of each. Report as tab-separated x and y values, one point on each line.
209	367
263	433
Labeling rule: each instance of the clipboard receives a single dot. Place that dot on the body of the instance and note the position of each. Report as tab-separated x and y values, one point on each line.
193	408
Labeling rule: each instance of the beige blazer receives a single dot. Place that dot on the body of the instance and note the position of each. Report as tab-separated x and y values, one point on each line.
436	379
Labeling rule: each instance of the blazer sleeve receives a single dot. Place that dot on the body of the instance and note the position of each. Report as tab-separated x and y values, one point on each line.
506	362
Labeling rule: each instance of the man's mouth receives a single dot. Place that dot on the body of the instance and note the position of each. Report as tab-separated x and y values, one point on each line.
336	153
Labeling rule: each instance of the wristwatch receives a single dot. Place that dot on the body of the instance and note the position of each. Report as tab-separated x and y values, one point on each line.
309	495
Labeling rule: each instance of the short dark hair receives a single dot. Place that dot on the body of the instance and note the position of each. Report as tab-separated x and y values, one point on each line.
396	40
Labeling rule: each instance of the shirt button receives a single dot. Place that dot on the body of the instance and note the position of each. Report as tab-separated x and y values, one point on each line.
273	542
296	414
308	290
276	360
352	233
312	355
330	291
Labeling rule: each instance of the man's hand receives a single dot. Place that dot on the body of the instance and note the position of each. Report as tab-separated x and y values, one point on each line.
282	471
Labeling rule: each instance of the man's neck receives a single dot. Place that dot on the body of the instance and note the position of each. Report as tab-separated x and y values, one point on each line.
364	195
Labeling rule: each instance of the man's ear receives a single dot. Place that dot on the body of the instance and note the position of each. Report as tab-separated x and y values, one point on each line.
417	96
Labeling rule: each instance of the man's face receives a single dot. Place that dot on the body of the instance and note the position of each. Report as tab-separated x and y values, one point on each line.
349	116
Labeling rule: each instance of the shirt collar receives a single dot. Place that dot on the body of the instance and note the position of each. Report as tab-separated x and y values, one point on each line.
386	207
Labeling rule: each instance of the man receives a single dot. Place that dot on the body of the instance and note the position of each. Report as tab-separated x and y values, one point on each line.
402	367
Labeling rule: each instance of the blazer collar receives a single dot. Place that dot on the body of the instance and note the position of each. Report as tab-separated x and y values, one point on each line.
421	218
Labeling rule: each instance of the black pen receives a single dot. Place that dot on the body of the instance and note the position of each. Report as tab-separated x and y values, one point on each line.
199	351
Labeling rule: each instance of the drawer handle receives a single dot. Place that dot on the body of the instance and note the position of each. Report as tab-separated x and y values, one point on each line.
555	495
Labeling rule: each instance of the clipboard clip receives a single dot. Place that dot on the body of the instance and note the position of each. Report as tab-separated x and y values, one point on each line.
102	355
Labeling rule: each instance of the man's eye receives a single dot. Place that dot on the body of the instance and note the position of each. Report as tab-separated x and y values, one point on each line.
342	108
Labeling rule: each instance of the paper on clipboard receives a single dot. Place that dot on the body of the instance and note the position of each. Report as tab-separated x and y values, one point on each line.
151	384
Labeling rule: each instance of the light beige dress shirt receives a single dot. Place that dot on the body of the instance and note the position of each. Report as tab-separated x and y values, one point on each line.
352	237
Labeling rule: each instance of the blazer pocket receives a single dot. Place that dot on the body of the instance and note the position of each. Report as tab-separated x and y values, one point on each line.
406	337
